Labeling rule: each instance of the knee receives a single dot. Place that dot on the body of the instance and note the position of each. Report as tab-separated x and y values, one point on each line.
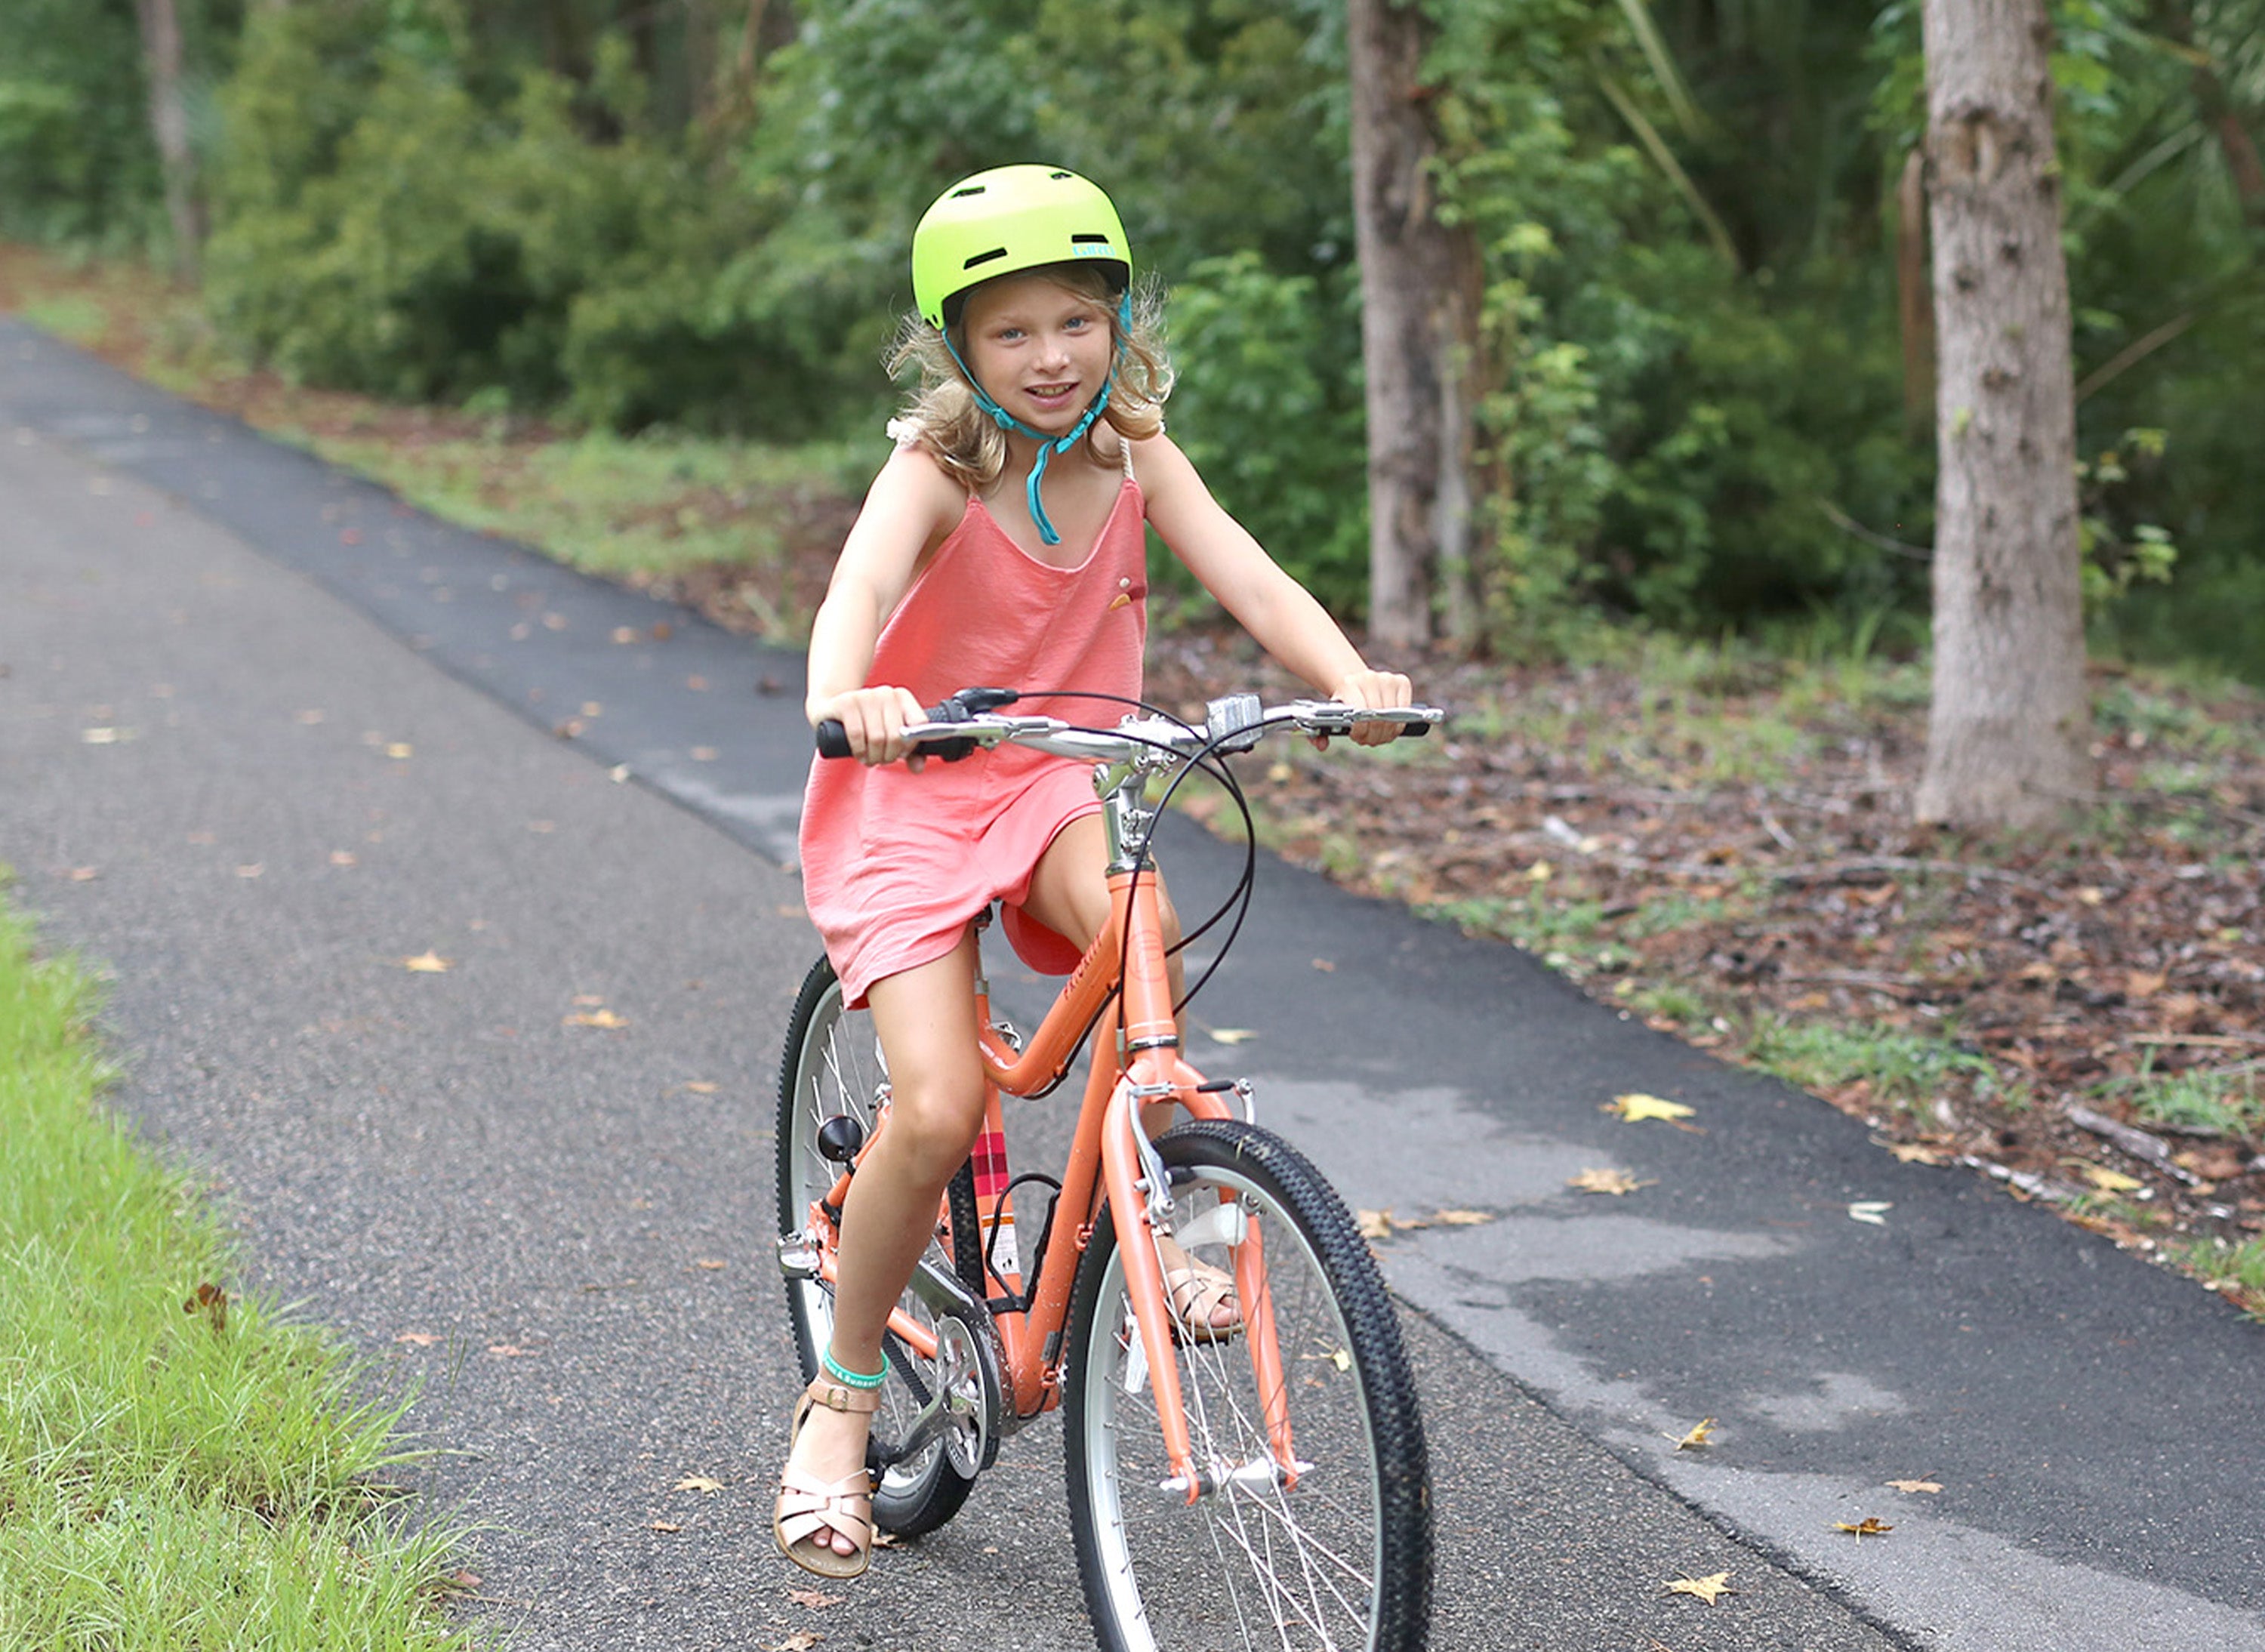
933	1122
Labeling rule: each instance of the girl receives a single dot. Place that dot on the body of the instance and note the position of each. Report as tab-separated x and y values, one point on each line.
1001	544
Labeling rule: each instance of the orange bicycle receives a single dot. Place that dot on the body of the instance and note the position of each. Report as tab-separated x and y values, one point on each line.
1262	1485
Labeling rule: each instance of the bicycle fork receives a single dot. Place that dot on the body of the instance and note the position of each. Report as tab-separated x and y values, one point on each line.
1141	1209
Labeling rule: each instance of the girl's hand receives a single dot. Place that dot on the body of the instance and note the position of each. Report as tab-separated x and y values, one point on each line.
874	719
1371	691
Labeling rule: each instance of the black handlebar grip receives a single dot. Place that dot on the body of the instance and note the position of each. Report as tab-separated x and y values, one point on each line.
833	739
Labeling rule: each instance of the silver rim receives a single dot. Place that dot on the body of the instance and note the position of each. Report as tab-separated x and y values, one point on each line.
1252	1565
839	1071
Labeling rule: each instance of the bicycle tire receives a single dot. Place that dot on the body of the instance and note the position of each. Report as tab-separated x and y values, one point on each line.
832	1065
1343	1558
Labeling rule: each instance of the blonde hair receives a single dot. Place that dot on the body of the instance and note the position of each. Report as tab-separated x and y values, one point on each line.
942	417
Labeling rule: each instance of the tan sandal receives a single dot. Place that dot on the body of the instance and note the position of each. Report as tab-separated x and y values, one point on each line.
1197	1291
809	1507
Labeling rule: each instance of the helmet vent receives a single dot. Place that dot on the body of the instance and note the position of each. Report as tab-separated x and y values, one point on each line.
984	258
1061	175
962	194
1088	240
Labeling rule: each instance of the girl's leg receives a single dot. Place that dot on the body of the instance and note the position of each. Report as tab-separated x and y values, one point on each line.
925	1019
1069	894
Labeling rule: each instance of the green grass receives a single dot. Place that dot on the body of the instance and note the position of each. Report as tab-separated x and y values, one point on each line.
1905	1070
617	506
168	1479
2229	1103
2236	1271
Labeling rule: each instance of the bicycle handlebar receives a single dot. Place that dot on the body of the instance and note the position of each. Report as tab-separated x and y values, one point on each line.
967	719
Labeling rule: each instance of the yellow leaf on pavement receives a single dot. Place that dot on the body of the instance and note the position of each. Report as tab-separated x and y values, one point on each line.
1607	1180
1373	1223
1232	1035
1636	1108
1915	1485
699	1483
800	1640
1869	1526
1708	1589
1702	1433
814	1600
427	964
1461	1219
595	1018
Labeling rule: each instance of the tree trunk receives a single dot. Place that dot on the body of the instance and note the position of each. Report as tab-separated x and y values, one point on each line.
169	125
1419	326
2006	744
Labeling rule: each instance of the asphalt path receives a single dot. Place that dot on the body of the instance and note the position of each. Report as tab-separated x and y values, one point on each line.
265	734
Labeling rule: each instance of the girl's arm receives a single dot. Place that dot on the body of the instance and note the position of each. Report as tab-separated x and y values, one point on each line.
910	507
1280	614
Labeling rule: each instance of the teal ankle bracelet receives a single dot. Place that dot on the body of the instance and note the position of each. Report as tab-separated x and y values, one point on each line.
841	1373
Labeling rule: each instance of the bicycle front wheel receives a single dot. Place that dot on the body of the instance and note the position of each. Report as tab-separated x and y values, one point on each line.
832	1068
1339	1557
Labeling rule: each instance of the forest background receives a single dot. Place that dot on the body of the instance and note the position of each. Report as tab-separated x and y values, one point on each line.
1704	326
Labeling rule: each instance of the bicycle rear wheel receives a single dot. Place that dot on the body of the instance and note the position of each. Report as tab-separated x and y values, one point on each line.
1341	1559
832	1068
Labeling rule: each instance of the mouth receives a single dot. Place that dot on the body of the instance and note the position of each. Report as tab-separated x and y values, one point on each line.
1052	397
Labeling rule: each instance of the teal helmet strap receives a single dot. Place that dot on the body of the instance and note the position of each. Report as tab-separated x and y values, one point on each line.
1048	446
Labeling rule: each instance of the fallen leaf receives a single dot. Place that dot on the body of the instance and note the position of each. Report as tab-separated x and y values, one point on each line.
1606	1181
700	1087
2111	1181
699	1483
308	718
1869	1526
252	871
710	1263
625	634
509	1350
343	858
704	753
1373	1223
663	1525
1325	966
814	1600
465	1581
1232	1035
103	736
1636	1108
1872	1211
1915	1485
84	874
211	1301
595	1018
1708	1589
1702	1434
400	750
800	1640
423	1339
618	773
427	964
1461	1219
1916	1152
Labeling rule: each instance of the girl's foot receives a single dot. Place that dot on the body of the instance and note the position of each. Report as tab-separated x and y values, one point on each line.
1203	1298
823	1520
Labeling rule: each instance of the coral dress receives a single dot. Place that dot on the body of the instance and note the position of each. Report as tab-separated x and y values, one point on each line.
895	864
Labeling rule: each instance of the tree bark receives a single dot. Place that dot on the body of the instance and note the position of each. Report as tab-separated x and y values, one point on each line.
2007	738
169	124
1420	283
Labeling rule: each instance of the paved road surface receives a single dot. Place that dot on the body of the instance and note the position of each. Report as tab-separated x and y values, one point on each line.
331	749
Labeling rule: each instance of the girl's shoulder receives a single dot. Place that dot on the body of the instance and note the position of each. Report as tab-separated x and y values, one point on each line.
912	476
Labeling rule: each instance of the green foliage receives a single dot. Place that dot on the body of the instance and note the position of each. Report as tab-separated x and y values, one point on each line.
1691	384
77	163
167	1479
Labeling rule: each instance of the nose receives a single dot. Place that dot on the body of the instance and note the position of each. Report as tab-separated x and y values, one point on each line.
1054	350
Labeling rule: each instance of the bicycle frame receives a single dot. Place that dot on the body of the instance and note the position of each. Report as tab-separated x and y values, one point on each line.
1136	1063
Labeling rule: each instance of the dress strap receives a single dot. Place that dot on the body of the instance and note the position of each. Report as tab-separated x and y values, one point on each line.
1125	447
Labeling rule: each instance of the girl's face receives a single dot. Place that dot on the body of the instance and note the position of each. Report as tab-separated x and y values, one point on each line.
1042	351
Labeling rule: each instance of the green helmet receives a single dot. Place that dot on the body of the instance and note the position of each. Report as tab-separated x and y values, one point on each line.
1007	220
